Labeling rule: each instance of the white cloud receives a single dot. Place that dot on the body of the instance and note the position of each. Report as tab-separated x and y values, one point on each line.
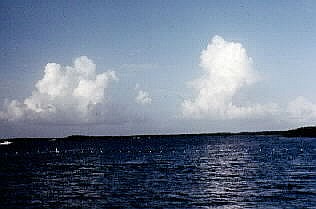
301	110
70	93
143	98
227	69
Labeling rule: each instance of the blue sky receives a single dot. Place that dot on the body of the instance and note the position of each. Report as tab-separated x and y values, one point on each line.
156	46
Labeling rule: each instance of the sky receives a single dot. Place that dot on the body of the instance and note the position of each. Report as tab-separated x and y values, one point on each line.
155	67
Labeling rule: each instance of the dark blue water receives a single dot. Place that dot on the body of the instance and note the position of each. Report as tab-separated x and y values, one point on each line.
160	172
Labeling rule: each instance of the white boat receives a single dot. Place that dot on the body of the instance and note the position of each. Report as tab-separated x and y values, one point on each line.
5	143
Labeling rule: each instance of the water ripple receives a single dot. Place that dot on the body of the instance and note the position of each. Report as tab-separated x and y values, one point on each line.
160	172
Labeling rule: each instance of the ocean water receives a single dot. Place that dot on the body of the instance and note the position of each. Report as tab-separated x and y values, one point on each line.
160	172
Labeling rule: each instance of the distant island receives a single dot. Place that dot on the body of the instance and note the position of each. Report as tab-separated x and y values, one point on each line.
298	132
301	132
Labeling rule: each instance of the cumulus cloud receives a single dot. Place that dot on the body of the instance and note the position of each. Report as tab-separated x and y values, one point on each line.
227	69
143	98
69	93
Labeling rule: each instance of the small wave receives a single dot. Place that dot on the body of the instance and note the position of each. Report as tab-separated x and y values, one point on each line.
135	162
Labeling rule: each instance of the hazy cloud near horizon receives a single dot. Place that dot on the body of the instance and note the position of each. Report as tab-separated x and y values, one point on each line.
301	110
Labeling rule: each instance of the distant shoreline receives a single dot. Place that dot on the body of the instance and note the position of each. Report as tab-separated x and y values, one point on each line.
298	132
